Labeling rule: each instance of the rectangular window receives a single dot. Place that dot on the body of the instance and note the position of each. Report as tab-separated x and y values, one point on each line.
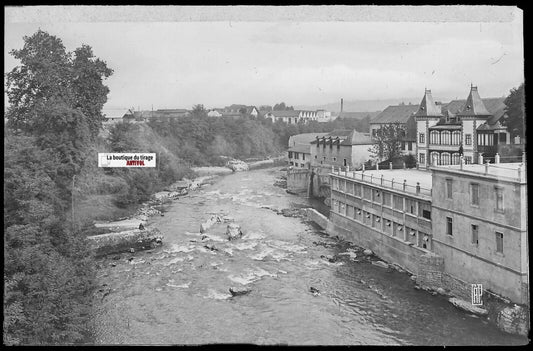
367	193
475	231
302	165
422	138
499	242
344	162
423	159
357	190
449	189
449	226
377	196
499	199
410	206
468	139
403	145
296	155
387	199
468	160
290	154
474	194
410	146
398	203
349	211
424	210
303	157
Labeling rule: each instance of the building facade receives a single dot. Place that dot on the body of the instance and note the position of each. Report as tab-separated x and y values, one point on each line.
445	133
341	148
402	115
470	218
480	225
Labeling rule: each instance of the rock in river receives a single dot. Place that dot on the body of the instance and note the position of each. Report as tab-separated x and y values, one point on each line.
380	264
239	291
368	252
233	231
468	307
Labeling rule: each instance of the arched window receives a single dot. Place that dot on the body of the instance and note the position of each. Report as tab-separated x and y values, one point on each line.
455	158
434	158
445	158
445	137
456	138
434	136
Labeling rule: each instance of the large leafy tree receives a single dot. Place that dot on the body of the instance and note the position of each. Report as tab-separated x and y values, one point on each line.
388	142
49	75
515	121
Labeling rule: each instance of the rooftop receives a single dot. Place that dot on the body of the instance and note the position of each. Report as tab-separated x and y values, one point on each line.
301	148
304	138
506	171
394	178
395	113
285	113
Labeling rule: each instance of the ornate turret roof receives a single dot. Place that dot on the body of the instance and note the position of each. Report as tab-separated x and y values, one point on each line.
474	106
427	107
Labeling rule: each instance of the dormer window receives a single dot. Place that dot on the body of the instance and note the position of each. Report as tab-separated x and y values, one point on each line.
468	107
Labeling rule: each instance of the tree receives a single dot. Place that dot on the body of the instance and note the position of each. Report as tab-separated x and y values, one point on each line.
48	74
198	111
515	112
388	140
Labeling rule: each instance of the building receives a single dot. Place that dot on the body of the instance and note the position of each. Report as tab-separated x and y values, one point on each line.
403	115
480	225
165	115
341	148
453	226
444	134
240	109
299	152
214	113
113	116
286	116
295	116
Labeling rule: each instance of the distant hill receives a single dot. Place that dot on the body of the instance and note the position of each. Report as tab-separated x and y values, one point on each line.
359	105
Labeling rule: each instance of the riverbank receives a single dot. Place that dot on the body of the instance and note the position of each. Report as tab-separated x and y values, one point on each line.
507	316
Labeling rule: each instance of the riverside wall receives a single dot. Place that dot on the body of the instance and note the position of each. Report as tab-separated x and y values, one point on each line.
428	269
312	182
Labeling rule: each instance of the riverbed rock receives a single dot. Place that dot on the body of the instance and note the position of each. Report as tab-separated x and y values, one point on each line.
380	264
237	291
124	241
314	291
468	307
513	320
204	227
441	291
237	165
233	231
368	252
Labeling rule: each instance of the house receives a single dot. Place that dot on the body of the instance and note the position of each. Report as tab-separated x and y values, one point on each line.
402	114
341	148
299	152
214	113
471	130
113	116
240	109
286	116
454	226
295	116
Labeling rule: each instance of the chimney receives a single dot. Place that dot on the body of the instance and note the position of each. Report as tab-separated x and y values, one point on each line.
342	102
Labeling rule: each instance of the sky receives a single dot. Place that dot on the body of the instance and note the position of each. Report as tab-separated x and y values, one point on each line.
176	57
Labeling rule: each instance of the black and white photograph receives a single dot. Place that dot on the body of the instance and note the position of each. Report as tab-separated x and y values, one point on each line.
265	175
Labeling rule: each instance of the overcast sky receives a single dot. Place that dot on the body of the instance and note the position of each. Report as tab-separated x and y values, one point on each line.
302	56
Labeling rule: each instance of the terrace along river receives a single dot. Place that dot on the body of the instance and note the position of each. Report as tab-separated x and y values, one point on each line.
178	293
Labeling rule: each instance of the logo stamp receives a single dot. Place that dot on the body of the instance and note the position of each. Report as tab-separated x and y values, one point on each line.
477	293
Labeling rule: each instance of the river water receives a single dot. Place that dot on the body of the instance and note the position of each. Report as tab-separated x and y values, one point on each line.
178	293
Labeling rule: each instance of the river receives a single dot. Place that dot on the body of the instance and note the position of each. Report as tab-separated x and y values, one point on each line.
178	293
